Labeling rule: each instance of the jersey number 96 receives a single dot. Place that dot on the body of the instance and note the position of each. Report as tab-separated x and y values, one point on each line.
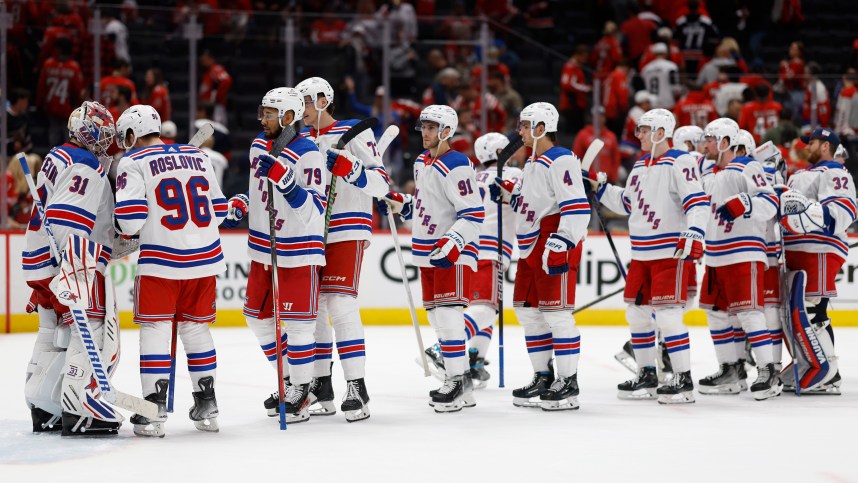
188	202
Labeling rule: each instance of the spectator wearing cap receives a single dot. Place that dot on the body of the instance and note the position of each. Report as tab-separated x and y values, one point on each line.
630	146
665	36
822	143
168	132
695	108
574	90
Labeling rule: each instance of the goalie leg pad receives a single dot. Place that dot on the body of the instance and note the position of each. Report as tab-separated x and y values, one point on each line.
814	364
80	396
44	381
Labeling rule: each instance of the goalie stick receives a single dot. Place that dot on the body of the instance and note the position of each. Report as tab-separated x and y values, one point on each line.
120	399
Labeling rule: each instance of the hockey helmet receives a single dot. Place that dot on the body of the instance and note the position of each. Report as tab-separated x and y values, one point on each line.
92	126
314	86
745	140
141	120
687	134
486	146
284	99
657	119
444	116
722	128
540	112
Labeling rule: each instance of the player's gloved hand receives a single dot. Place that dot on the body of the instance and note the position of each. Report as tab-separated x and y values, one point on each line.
278	172
118	228
735	206
800	215
506	190
345	164
780	189
690	245
555	258
597	182
397	203
238	208
446	250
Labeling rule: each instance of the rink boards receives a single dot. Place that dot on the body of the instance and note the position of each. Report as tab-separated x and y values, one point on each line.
382	295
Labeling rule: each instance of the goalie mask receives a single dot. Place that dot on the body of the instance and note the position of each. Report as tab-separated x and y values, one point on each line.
91	125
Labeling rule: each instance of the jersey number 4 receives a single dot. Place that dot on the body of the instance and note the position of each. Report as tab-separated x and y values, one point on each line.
185	202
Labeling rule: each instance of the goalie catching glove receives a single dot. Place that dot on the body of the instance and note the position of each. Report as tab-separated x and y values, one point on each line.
238	208
800	215
446	250
555	258
346	165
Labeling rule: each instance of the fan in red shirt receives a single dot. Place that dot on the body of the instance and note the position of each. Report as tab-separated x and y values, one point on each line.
469	98
607	52
156	94
639	29
695	109
215	84
59	90
761	114
608	160
574	90
120	77
791	71
615	96
815	93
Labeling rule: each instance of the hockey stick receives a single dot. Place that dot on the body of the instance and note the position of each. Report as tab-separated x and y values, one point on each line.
202	135
589	157
120	399
598	300
361	126
514	145
386	138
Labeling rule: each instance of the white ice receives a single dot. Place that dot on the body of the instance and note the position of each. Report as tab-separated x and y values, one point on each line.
719	438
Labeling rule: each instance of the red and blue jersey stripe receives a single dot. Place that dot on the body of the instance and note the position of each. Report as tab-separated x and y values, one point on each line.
729	246
771	198
152	254
847	204
476	214
287	246
490	243
527	240
695	199
71	216
351	220
37	259
221	207
654	242
577	206
132	210
817	239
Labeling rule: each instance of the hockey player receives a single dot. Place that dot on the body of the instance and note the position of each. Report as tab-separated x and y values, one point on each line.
667	212
816	211
298	174
447	212
363	177
167	193
736	259
688	138
552	213
76	194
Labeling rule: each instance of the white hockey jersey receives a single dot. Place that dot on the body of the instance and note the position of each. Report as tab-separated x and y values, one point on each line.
773	227
663	197
299	229
661	78
743	239
168	193
489	230
446	198
829	183
549	185
78	200
351	217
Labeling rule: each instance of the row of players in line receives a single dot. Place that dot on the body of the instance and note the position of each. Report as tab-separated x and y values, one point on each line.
675	201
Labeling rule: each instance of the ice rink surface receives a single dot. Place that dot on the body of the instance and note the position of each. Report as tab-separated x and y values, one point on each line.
719	438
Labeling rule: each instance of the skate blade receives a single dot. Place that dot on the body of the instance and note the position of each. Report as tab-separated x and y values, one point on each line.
640	394
469	401
357	415
768	393
323	408
480	384
681	398
722	390
567	404
208	425
827	391
299	417
521	402
151	430
743	386
436	372
627	361
452	407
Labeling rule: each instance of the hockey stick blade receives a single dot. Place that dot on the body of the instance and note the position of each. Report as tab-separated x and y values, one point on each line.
202	135
386	138
361	126
591	154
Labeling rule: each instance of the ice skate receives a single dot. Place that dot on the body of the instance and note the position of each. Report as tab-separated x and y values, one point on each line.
643	386
204	412
44	422
479	374
562	395
356	402
435	362
74	425
153	427
448	399
680	390
322	397
297	403
743	375
542	381
830	388
725	381
768	384
626	357
271	404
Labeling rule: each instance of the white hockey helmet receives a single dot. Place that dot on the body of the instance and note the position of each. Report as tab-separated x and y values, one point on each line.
92	126
169	129
486	146
444	116
141	120
687	134
540	112
657	119
721	128
745	140
314	86
284	99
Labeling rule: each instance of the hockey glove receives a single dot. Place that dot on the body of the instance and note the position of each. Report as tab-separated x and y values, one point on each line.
597	182
238	207
555	258
278	172
344	164
735	207
780	189
690	245
800	215
397	203
506	190
446	250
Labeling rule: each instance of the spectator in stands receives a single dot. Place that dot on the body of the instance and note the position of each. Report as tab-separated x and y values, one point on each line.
435	62
67	24
734	109
638	30
785	130
366	24
574	90
18	123
697	37
539	21
816	108
403	67
608	159
443	90
661	78
726	89
59	90
467	132
695	108
509	99
215	84
458	25
402	18
469	98
727	54
169	132
118	33
791	76
19	200
327	29
156	94
630	146
120	101
846	114
760	114
121	77
665	36
358	53
615	97
607	52
205	115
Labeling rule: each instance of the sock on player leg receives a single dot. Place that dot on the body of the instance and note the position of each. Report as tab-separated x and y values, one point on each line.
351	348
154	354
566	340
537	337
642	327
199	346
754	325
324	337
450	329
483	316
264	331
676	339
722	336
